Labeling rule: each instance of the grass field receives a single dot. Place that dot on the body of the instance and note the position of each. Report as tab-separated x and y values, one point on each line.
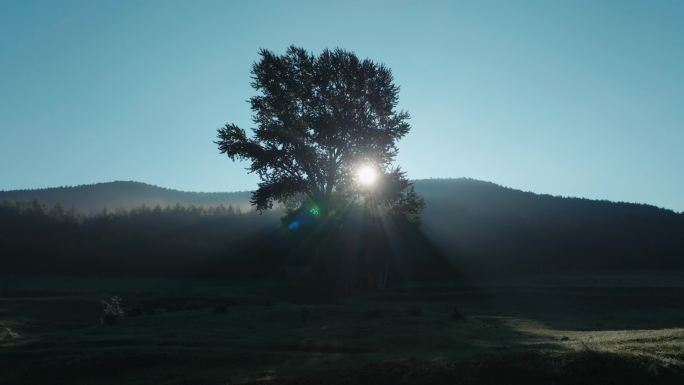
619	328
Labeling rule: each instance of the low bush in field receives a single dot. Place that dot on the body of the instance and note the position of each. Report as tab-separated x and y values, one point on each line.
113	310
8	334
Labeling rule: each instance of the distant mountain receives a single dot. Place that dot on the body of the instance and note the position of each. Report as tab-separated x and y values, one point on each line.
487	227
93	198
480	226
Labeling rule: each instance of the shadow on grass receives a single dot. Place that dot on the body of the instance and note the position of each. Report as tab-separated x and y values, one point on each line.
529	368
291	333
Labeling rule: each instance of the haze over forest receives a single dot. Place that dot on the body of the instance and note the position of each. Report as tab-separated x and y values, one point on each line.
479	226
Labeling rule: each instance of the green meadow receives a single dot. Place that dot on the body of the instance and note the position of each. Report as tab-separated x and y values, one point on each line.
609	328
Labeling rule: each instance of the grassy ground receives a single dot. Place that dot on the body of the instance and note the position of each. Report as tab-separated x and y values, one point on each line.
569	329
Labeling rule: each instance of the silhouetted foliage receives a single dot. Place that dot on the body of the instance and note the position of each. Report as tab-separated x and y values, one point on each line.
318	118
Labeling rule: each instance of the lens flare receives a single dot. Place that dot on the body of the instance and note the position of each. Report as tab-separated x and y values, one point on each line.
366	175
293	226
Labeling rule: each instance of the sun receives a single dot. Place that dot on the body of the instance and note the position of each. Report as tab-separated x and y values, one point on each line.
366	175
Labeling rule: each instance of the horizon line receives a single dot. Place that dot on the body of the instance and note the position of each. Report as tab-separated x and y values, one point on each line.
412	180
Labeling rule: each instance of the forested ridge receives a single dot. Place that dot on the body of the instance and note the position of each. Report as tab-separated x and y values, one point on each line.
479	226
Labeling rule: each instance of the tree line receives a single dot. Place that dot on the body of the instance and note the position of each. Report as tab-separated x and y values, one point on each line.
35	238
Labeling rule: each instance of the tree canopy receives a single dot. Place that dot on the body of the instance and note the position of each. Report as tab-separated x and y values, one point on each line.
319	118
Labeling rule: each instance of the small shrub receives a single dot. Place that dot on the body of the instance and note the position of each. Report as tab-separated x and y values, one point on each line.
195	304
306	315
414	311
113	311
8	334
456	315
375	313
135	312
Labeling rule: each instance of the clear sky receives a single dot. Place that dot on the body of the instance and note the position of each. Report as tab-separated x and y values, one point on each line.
573	98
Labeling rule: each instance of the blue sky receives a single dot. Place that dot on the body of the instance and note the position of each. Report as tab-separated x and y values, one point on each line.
573	98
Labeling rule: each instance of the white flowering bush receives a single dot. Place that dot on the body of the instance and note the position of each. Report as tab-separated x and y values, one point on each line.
113	310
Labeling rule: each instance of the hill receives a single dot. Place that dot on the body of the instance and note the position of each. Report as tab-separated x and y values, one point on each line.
93	198
480	226
487	227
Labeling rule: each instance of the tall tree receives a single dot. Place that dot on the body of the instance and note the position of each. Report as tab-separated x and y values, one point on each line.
320	120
